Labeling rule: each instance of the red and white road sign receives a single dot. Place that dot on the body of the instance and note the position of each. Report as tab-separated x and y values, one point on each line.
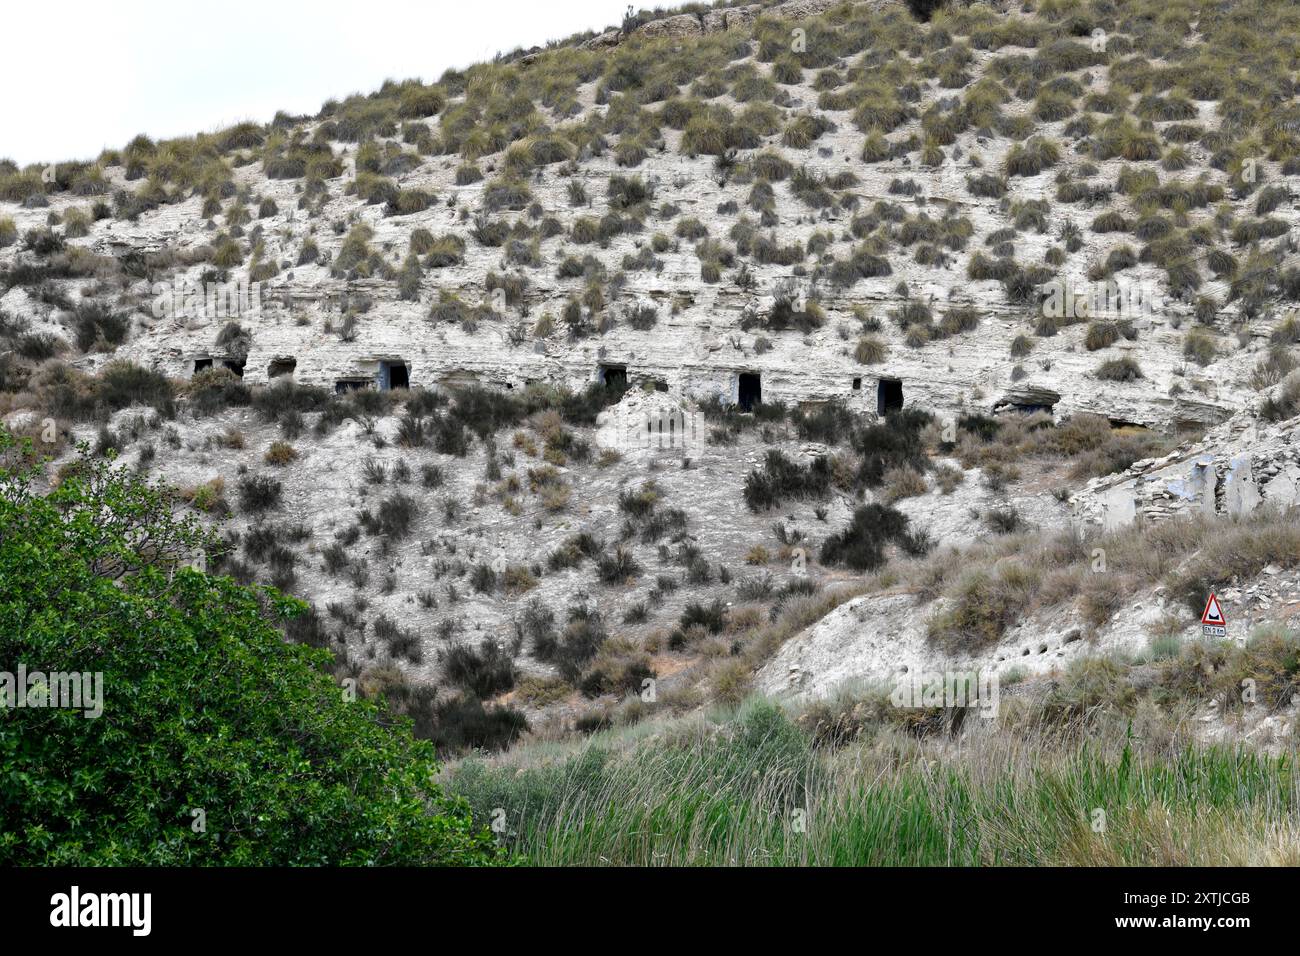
1213	623
1213	612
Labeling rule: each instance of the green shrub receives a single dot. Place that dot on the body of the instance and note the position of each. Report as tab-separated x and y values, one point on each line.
120	384
861	545
779	479
200	686
259	493
573	647
484	672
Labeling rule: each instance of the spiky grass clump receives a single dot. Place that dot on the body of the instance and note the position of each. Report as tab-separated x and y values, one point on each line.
1031	158
805	129
870	350
1126	141
880	109
1199	346
1112	220
1119	370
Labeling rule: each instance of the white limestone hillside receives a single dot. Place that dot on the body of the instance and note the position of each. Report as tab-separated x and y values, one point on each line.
726	230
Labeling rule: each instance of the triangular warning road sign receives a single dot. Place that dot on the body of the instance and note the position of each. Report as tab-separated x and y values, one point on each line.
1213	613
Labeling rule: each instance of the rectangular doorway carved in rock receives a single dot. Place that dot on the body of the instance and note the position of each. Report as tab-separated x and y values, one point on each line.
614	376
889	395
393	375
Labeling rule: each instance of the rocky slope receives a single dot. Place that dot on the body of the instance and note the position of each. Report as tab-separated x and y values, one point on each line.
811	205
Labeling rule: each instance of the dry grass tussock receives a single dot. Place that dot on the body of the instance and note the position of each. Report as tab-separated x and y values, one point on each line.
993	584
1089	442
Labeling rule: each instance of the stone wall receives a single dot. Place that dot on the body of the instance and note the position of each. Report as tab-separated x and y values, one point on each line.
1239	467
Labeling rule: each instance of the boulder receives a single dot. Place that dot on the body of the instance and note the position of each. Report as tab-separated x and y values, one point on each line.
682	25
802	9
603	41
719	21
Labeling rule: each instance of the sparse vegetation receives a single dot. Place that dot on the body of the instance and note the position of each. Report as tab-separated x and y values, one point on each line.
571	415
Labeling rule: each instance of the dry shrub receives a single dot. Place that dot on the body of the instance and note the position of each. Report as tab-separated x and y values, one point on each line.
983	605
731	681
1103	594
902	482
281	453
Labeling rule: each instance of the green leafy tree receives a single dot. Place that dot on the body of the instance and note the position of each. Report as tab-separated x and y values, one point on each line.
219	742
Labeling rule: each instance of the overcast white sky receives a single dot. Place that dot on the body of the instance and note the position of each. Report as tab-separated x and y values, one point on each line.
78	76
